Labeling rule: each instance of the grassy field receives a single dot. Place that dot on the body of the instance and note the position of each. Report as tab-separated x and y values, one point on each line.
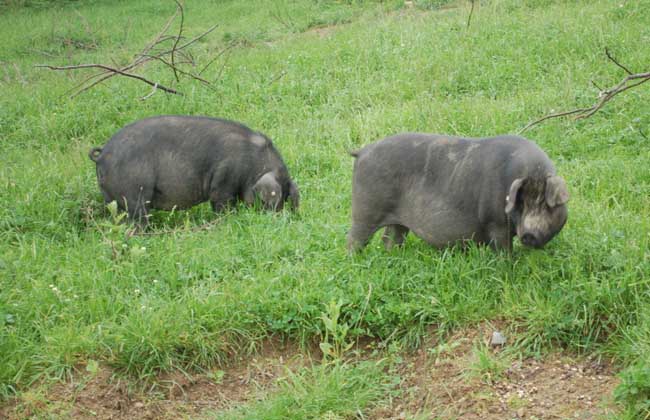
320	78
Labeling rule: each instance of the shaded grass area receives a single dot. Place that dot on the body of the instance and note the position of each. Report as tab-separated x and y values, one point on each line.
73	286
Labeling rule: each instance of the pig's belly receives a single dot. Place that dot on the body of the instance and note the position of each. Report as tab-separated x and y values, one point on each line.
177	193
443	226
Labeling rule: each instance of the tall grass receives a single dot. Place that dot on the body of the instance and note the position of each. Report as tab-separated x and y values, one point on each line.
74	287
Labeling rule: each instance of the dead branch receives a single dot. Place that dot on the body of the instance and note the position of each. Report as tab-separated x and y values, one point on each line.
113	70
178	38
222	52
168	57
630	81
150	94
177	70
471	11
616	62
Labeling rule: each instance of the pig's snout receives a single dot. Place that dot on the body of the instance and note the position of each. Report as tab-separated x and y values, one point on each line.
529	239
534	239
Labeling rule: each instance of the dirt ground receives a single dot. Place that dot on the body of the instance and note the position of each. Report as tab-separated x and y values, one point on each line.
439	381
442	382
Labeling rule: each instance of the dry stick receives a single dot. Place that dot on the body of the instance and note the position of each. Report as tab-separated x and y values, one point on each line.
155	88
193	40
193	76
178	38
223	65
469	18
107	75
142	58
162	32
111	69
605	96
232	44
616	62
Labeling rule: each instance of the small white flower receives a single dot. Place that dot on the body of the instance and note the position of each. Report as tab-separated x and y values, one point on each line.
155	281
137	291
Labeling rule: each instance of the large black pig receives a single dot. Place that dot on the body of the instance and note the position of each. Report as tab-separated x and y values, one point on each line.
448	190
172	161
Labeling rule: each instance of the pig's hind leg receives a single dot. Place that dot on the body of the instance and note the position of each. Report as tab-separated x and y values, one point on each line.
359	236
137	205
394	235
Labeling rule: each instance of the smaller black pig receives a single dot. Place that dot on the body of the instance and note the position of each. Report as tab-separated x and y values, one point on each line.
172	161
450	190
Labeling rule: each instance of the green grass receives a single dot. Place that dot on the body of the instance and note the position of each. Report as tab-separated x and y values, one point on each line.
333	392
73	287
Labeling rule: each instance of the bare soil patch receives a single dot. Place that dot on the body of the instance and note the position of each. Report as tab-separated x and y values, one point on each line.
445	385
105	395
439	381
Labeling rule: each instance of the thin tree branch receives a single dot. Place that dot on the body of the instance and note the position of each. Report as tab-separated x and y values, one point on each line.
176	57
471	11
178	38
232	44
630	81
616	62
113	70
549	116
193	76
155	88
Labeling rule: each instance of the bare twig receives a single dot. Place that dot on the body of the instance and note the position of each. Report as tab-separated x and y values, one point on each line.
549	116
178	38
596	86
232	44
193	40
630	81
177	70
223	66
160	35
169	57
471	11
155	88
616	62
114	70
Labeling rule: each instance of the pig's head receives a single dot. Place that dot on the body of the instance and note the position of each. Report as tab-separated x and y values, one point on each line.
537	208
274	190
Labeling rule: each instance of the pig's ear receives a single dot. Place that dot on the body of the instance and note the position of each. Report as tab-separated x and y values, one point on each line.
294	196
268	190
511	199
556	191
